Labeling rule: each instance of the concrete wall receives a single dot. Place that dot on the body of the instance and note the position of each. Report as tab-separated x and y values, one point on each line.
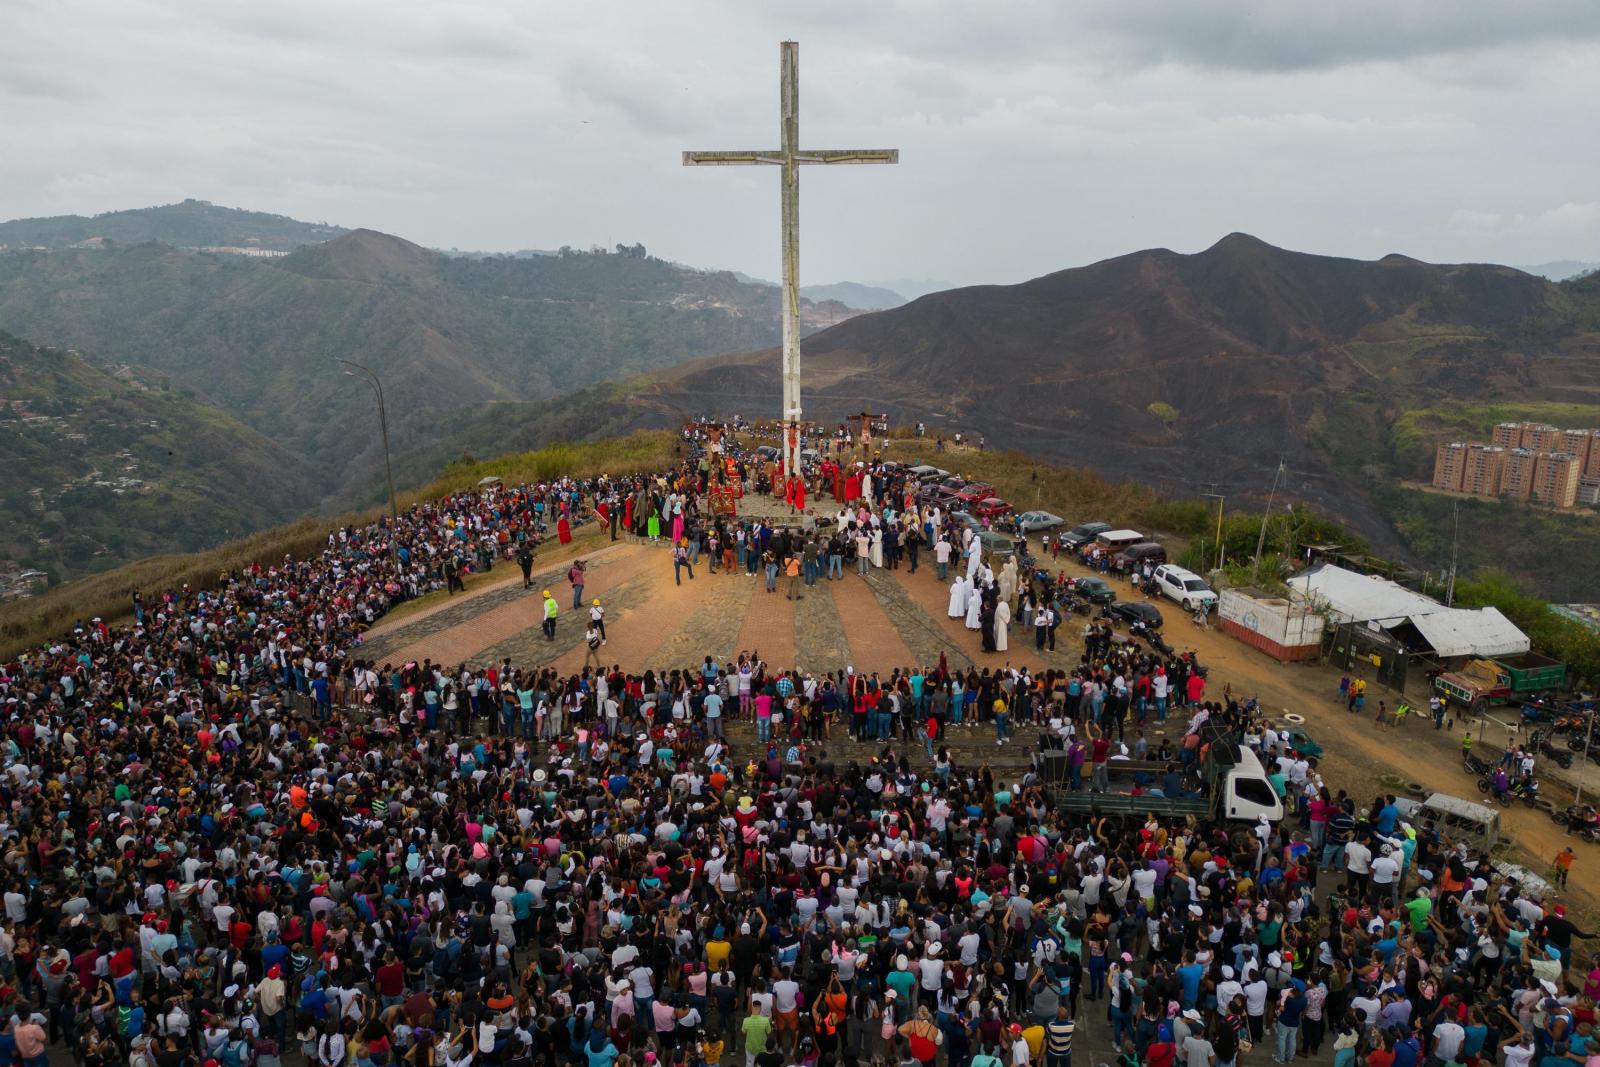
1282	630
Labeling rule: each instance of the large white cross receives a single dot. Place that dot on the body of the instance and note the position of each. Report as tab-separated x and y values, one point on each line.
791	158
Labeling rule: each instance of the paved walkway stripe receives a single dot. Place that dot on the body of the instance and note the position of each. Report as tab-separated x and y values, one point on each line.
875	643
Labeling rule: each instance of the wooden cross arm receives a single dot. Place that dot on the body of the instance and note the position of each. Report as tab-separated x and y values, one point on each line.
774	157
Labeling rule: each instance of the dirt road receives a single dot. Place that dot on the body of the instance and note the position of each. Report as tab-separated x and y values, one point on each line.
1358	751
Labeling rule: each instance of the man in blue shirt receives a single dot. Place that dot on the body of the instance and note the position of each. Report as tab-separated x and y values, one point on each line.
1190	974
1289	1024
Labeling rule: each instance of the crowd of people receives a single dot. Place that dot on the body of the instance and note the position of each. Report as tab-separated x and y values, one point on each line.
209	860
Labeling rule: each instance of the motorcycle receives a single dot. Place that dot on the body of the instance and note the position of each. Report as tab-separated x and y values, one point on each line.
1505	797
1580	819
1195	666
1476	765
1526	790
1540	742
1076	606
1141	630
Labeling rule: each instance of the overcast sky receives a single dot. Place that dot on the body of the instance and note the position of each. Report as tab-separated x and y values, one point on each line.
1033	135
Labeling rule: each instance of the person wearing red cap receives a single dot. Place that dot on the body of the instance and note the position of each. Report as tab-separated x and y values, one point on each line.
272	1004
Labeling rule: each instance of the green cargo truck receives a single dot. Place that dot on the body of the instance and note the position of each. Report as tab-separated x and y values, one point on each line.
1482	683
1237	789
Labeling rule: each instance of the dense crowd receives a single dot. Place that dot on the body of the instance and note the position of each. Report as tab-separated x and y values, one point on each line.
207	864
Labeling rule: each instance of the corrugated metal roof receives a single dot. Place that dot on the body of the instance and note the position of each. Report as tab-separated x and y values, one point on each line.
1459	632
1352	597
1464	809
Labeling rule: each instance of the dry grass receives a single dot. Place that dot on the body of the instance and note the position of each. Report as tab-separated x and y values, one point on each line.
1030	484
28	623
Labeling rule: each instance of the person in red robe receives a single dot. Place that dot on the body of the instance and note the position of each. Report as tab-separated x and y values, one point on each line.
564	530
852	488
836	474
799	495
627	513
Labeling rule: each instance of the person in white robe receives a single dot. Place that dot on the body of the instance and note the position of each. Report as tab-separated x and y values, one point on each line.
877	546
958	598
1008	580
1002	620
974	561
974	607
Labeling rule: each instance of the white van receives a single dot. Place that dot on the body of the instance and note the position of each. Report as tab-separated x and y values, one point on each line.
1184	586
1244	791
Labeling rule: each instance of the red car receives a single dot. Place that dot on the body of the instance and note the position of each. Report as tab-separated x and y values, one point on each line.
974	493
991	508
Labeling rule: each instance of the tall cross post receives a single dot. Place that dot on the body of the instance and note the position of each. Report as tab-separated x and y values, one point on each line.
791	157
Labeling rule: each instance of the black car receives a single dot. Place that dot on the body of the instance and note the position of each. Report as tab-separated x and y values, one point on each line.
1079	536
1094	590
1132	611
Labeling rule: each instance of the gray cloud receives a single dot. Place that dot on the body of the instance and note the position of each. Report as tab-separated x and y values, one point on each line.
1034	134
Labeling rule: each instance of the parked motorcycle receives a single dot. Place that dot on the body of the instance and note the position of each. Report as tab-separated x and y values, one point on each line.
1142	631
1477	765
1539	741
1579	819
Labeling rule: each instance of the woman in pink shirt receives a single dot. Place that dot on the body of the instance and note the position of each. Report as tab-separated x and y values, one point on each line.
764	717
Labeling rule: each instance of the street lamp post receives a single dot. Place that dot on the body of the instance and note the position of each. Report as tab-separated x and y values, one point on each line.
371	377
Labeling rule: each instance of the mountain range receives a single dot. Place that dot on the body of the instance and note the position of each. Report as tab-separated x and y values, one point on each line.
1193	373
1200	373
190	224
256	342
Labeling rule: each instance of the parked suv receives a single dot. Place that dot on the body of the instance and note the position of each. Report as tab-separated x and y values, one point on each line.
1081	535
1138	555
1184	586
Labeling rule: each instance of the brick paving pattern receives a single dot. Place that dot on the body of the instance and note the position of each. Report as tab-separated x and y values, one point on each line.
875	642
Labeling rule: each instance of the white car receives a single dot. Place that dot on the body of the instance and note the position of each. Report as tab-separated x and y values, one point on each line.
1184	586
1039	520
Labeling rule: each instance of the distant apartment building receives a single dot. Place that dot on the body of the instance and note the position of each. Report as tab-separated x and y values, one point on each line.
1541	437
1530	461
1555	479
1485	466
1579	443
1507	435
1450	465
1516	481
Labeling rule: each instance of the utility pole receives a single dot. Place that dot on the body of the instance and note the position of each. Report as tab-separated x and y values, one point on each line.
1588	736
1261	541
1218	498
1455	538
371	377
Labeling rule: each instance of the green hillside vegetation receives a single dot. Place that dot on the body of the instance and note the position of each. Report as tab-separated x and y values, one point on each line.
1418	431
190	224
110	594
260	339
102	467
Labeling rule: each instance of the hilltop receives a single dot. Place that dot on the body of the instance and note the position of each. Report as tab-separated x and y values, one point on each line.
190	224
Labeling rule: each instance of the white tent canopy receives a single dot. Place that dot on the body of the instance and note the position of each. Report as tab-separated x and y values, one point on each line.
1458	632
1351	597
1347	596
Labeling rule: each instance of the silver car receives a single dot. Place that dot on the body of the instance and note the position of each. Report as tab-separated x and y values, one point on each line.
1039	520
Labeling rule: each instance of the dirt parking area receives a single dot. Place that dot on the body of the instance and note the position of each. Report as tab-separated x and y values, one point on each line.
1357	751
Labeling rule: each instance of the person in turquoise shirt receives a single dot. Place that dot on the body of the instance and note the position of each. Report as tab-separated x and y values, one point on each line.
901	979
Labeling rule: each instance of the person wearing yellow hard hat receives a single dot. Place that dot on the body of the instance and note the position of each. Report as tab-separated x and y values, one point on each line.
550	611
597	618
